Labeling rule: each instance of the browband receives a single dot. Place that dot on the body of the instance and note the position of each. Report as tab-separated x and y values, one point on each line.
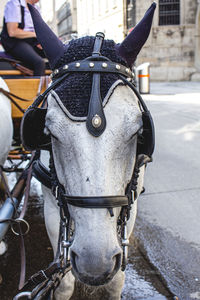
99	64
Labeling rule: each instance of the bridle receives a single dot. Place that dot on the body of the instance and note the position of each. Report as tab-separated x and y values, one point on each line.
96	124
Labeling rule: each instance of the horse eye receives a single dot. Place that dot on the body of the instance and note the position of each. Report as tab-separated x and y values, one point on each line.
47	131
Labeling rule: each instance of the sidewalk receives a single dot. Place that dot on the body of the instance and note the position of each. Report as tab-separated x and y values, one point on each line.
173	88
168	222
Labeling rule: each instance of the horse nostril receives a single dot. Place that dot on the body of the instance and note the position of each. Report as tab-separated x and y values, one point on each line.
117	261
73	255
73	258
117	258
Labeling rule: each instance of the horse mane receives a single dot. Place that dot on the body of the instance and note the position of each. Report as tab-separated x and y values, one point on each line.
74	92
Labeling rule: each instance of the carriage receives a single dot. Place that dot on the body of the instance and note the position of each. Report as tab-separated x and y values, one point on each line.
23	88
99	144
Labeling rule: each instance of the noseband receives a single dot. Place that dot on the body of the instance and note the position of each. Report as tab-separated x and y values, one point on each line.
96	124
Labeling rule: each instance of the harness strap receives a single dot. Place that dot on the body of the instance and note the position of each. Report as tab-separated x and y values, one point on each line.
141	160
22	214
41	173
24	181
43	283
93	64
10	96
41	276
6	93
96	202
96	121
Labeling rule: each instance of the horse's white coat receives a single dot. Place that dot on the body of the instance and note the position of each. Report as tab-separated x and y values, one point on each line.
6	126
6	133
89	166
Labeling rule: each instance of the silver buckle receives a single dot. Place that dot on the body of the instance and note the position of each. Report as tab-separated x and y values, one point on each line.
133	196
56	192
22	295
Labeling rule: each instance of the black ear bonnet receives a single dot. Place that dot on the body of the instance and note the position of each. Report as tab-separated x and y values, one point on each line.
76	91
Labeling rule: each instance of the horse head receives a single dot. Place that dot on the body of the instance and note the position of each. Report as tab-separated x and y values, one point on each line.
93	125
87	166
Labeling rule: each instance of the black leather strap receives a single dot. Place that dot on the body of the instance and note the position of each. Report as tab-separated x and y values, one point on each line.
95	109
98	43
96	202
42	275
41	173
93	65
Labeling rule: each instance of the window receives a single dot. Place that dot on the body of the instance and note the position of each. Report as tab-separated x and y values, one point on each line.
114	3
130	4
169	12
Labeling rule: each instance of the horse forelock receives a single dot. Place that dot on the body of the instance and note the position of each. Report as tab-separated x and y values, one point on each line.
75	91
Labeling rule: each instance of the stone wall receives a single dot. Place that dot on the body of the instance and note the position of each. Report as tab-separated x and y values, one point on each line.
170	49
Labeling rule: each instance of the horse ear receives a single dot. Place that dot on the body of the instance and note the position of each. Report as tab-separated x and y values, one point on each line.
133	43
51	45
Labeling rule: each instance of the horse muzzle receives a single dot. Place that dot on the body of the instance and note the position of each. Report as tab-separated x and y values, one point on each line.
93	271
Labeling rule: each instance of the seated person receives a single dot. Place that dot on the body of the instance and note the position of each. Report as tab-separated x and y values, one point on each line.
18	36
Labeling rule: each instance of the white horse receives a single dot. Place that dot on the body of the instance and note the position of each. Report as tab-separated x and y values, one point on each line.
6	134
91	166
94	167
6	125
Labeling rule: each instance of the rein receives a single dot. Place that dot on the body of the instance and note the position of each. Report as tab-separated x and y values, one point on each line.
13	199
11	95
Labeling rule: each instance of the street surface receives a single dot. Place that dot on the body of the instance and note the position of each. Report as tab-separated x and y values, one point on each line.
168	223
164	257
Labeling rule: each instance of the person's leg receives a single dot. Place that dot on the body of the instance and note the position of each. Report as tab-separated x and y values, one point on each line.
25	52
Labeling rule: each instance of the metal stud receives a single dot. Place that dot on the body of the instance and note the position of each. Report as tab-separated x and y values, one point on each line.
118	67
91	65
65	67
127	70
96	121
104	65
56	71
78	65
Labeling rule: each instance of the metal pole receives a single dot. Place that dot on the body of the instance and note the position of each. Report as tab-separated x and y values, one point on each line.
6	212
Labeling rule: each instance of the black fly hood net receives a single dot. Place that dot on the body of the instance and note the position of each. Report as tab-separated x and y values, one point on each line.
74	92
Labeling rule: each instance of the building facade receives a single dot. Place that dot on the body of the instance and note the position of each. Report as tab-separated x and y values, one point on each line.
67	20
97	15
173	48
